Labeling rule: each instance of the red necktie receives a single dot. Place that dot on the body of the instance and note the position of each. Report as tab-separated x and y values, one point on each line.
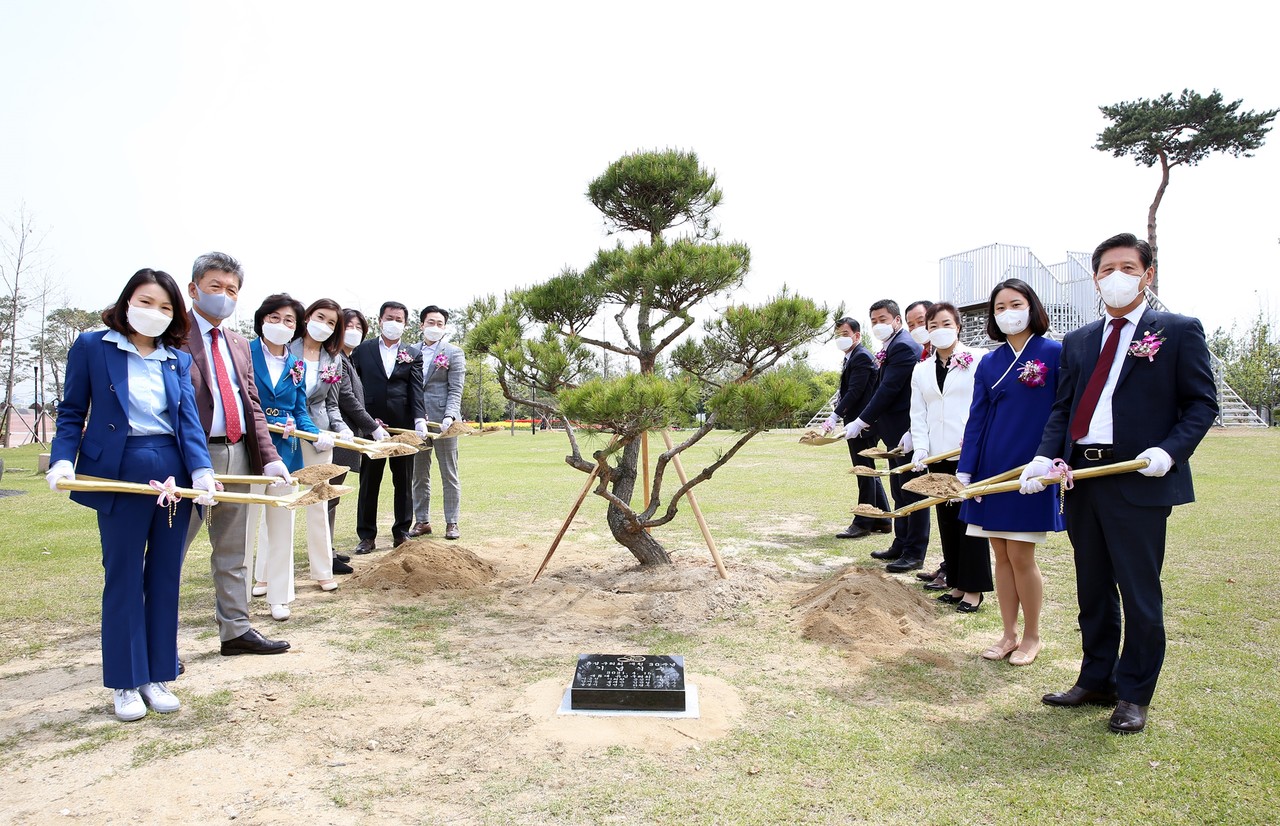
229	410
1098	380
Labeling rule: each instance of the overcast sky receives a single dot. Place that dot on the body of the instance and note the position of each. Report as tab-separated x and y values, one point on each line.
366	151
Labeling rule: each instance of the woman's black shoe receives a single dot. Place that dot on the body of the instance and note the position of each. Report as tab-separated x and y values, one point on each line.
948	599
969	607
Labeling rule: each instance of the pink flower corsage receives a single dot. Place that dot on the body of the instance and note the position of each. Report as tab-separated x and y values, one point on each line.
1148	346
960	361
403	357
442	361
1033	372
880	357
331	374
298	371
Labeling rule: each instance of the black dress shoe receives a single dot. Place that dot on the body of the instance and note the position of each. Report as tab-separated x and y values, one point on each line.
948	599
1078	696
904	565
939	584
887	554
342	557
853	532
925	576
969	607
340	567
182	667
251	642
881	527
399	539
1128	718
366	546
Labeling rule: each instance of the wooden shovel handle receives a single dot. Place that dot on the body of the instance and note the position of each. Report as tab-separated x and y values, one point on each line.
94	484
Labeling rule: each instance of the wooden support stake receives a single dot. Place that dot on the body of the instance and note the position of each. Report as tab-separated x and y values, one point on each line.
555	543
697	511
644	460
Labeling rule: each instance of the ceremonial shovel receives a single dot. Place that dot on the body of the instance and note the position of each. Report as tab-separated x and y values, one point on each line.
374	450
293	501
859	470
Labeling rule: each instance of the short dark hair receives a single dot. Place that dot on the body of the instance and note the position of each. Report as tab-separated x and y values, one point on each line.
914	304
1125	240
334	343
217	261
851	322
431	308
886	304
117	315
1037	318
940	307
278	302
393	305
348	314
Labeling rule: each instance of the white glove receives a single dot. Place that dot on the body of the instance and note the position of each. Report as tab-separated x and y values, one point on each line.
380	434
204	481
1039	466
278	470
446	423
853	428
324	441
917	459
61	469
420	427
1160	460
345	433
830	424
965	479
905	443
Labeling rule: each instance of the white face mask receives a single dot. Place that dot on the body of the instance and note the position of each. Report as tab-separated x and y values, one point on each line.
352	338
920	335
277	334
844	343
1012	322
1119	289
392	330
319	330
147	321
432	334
943	337
883	332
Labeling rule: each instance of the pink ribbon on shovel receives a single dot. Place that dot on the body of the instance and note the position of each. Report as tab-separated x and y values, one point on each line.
168	492
1062	470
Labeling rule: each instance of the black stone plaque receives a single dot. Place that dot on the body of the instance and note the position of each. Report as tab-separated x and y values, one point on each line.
628	682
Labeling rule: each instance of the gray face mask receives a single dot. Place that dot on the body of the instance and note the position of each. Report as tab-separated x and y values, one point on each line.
215	305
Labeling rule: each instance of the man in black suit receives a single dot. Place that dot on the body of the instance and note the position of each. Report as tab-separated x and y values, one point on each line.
392	379
1139	386
857	384
889	411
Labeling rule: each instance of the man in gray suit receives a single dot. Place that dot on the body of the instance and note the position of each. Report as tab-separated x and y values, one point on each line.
444	367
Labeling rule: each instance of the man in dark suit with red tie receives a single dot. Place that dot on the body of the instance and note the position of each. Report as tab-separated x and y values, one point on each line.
857	386
1135	386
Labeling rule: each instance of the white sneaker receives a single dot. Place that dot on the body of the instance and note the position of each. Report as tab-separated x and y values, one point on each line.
129	705
259	589
280	612
159	697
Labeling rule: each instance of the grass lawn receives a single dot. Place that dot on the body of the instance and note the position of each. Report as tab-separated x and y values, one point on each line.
904	741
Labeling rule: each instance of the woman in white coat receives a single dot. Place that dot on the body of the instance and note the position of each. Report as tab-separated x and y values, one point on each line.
941	393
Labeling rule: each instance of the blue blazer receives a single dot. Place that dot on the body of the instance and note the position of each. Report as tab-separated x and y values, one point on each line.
1006	420
98	379
1168	402
282	401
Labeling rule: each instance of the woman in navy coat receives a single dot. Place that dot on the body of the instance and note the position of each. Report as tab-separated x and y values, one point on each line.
281	380
1013	392
144	427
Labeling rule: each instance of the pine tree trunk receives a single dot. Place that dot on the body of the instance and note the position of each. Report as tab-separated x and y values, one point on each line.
641	543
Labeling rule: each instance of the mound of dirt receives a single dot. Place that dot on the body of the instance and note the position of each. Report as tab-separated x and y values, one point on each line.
421	566
865	612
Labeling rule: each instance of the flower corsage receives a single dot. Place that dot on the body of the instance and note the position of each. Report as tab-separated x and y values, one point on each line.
960	361
331	374
880	357
442	361
1033	372
403	357
298	371
1147	346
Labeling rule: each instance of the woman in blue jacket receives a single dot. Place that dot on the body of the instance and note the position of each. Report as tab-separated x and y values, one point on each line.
281	382
144	428
1013	391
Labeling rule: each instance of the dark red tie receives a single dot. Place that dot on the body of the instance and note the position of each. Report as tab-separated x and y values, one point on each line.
1098	380
229	410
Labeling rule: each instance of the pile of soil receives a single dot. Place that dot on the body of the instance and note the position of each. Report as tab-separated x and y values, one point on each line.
421	566
935	485
867	612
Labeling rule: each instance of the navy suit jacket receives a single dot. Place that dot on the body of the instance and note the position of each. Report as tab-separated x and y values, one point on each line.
395	399
1169	402
857	383
890	406
98	380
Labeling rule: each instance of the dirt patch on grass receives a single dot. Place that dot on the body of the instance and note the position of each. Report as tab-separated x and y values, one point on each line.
866	613
422	566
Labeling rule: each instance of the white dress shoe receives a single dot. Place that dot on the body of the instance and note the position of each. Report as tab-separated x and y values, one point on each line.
280	612
259	589
159	697
329	585
129	705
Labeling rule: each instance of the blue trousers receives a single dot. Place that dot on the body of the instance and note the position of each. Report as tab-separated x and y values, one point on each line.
142	562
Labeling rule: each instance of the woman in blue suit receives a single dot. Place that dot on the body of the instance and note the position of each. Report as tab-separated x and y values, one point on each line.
144	427
1013	391
281	382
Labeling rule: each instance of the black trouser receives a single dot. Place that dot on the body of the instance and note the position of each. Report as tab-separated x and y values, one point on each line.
870	491
370	487
967	558
910	532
